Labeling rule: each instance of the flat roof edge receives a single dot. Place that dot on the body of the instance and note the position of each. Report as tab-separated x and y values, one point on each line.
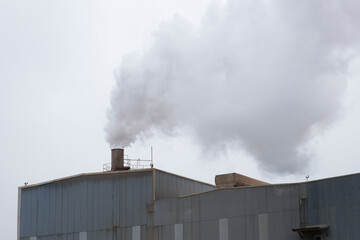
173	174
267	185
110	172
85	174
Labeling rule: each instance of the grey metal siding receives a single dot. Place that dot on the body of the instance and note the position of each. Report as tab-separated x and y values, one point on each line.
241	206
107	206
170	186
103	205
335	202
98	204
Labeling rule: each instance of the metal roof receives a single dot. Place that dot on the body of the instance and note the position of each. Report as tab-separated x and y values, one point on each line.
110	172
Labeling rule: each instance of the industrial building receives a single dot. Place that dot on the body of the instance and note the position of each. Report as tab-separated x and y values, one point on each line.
151	204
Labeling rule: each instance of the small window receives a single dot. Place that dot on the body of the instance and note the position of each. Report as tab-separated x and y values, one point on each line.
318	237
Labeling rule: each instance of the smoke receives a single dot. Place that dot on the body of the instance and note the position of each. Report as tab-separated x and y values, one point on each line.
261	75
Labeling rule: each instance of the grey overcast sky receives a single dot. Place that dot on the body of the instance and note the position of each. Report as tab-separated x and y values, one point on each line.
58	61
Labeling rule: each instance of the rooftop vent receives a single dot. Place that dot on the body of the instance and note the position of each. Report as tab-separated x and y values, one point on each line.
236	180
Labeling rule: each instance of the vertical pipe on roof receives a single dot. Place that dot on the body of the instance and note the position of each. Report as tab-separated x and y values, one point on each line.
117	160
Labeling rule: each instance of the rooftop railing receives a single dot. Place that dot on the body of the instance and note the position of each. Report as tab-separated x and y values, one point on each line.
133	163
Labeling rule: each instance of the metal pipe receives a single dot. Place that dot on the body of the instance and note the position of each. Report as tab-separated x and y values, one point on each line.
117	160
152	163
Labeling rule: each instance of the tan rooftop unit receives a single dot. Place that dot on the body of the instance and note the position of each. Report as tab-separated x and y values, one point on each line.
236	180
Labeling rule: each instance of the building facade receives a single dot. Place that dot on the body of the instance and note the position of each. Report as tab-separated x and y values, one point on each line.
155	205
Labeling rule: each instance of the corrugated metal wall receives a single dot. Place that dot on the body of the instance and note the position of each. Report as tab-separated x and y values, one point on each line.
108	206
336	202
103	205
243	208
170	186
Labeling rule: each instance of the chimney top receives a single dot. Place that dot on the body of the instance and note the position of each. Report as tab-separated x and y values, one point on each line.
117	160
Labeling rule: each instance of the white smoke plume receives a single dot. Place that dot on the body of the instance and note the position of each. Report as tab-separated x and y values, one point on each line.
260	74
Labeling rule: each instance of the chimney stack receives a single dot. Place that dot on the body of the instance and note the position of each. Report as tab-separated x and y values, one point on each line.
117	160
